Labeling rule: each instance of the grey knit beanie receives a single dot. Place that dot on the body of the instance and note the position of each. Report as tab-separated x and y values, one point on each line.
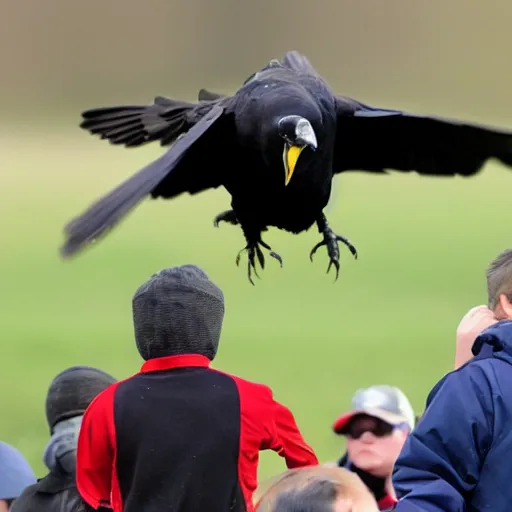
72	390
178	311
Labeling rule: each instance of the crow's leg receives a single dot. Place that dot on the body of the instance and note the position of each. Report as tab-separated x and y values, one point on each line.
226	216
254	241
331	240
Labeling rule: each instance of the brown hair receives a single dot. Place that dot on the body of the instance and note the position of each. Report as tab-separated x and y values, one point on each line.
315	486
499	278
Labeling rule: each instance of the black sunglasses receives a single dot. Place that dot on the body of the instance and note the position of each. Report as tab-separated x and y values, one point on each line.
378	428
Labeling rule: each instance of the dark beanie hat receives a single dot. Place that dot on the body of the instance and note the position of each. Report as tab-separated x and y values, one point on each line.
72	390
178	311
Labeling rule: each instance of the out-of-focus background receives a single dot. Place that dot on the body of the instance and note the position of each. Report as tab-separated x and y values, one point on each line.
424	243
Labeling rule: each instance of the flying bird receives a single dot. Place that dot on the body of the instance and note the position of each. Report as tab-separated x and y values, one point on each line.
275	146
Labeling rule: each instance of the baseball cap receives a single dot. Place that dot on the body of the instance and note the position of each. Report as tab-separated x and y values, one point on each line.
386	403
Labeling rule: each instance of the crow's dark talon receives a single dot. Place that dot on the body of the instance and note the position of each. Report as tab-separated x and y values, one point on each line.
252	269
277	257
349	244
252	264
330	240
336	265
319	244
254	252
238	257
261	258
249	275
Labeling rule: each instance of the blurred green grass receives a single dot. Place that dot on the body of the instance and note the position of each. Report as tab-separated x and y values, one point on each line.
424	244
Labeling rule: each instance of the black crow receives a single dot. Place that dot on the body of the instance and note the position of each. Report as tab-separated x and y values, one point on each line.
275	146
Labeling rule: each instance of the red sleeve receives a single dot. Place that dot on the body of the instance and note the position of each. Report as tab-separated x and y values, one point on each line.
287	440
95	455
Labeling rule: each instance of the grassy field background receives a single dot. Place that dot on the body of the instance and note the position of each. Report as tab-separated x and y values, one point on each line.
391	318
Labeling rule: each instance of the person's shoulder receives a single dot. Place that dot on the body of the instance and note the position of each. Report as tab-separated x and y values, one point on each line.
479	375
492	374
110	390
249	385
31	489
483	369
474	368
256	386
26	496
105	398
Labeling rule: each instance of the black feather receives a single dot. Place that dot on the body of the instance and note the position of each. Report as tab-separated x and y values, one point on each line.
134	126
378	140
106	213
205	95
299	63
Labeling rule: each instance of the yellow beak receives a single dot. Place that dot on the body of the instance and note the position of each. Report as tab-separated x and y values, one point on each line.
290	157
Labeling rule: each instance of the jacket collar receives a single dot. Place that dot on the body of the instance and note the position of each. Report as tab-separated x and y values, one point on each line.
54	483
171	362
498	336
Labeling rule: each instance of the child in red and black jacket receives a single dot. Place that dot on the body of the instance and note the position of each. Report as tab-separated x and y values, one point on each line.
179	435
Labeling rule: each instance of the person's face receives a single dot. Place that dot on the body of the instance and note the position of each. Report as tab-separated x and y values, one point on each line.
4	506
503	310
374	445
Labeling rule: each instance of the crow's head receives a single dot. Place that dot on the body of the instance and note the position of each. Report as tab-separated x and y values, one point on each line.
298	134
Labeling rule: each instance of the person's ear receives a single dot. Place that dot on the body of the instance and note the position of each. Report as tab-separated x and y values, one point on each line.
503	309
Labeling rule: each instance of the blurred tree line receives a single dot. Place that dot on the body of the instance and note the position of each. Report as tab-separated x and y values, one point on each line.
59	56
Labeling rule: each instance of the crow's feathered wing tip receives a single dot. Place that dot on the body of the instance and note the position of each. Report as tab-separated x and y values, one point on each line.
69	250
106	213
72	248
66	252
75	242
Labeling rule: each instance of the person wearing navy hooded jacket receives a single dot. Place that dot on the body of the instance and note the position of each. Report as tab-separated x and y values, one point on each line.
458	458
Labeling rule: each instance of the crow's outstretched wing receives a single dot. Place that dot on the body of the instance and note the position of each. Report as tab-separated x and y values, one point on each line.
136	125
378	140
183	168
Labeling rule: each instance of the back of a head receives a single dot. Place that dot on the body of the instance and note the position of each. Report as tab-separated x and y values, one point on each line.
178	311
15	472
499	278
71	392
318	496
317	489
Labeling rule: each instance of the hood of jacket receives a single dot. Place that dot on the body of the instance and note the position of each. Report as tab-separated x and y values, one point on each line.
499	338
